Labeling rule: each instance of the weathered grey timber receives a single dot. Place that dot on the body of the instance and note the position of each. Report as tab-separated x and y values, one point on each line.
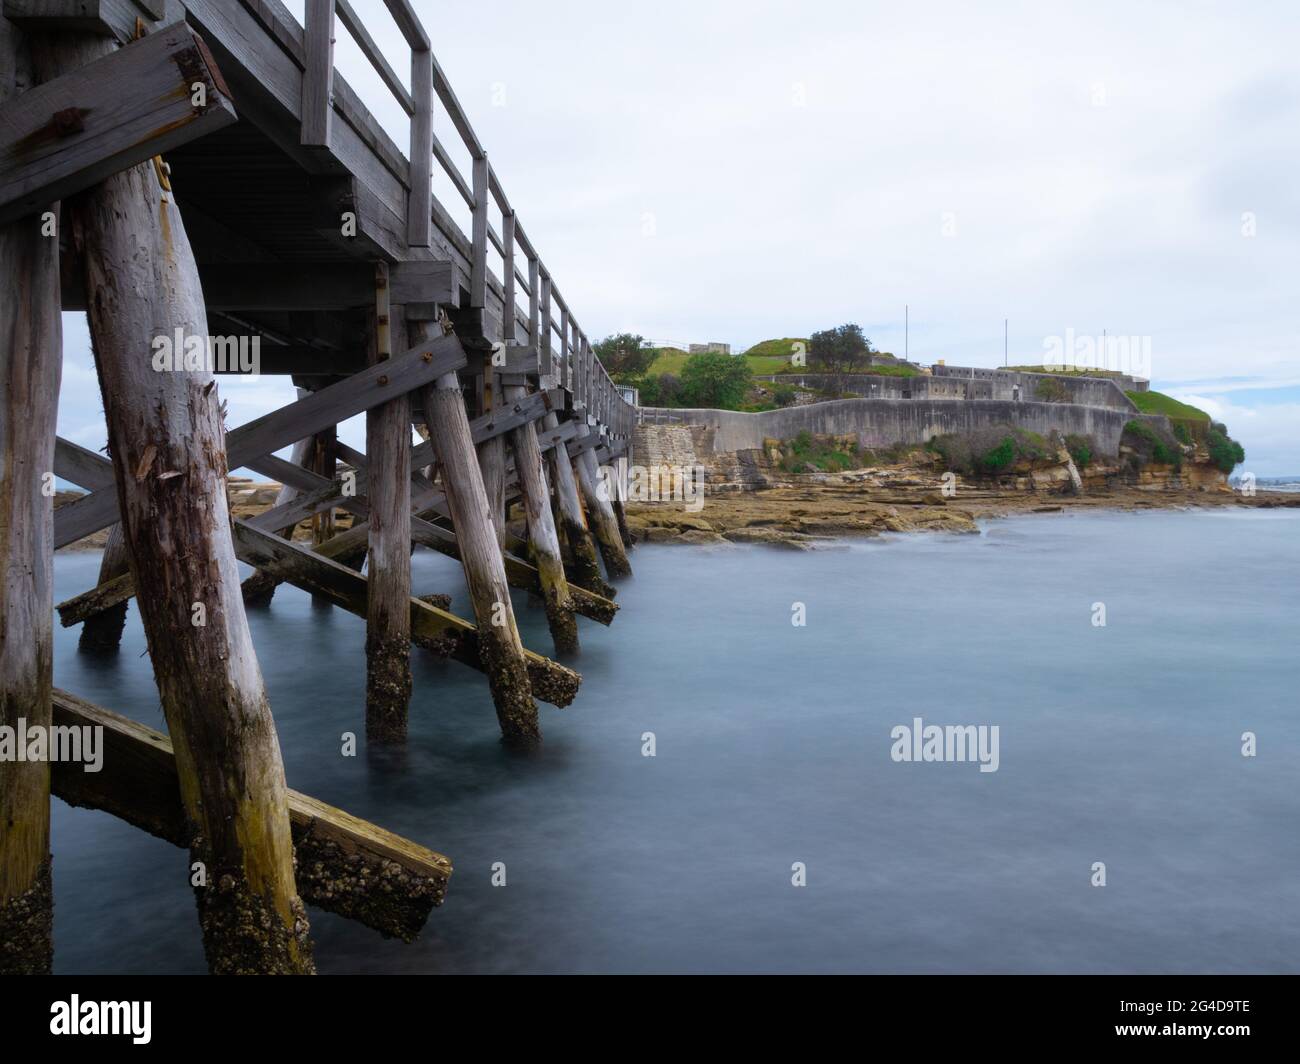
480	555
166	436
388	629
73	131
291	194
344	865
584	570
543	543
601	514
31	357
102	631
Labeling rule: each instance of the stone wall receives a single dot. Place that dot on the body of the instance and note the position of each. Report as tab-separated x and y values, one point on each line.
950	382
883	422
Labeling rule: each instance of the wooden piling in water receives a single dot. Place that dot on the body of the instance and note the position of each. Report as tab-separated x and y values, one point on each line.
102	631
543	543
601	514
500	647
388	623
585	569
30	363
168	445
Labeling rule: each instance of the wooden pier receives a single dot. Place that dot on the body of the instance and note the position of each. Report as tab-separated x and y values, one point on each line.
195	174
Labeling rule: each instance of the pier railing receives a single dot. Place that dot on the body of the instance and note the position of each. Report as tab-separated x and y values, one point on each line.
571	364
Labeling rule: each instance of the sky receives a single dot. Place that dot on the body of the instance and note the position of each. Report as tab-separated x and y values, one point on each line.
712	170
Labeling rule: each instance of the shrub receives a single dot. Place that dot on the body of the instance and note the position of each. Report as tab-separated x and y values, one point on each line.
783	394
1150	445
1080	448
989	451
715	380
1051	390
1225	452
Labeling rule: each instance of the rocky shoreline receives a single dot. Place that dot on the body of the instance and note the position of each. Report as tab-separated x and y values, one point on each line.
828	507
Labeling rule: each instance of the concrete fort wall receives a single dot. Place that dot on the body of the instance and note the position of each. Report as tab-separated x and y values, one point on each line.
952	382
883	422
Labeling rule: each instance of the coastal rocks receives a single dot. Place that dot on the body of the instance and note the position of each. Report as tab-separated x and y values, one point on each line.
772	537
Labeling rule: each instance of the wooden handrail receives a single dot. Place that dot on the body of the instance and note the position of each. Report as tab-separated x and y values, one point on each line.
574	366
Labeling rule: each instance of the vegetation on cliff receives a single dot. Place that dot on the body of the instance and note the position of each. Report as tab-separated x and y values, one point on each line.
988	452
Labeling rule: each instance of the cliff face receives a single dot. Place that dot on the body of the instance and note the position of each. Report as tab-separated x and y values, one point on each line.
775	464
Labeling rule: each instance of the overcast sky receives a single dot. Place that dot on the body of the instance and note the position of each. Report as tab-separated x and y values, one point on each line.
711	170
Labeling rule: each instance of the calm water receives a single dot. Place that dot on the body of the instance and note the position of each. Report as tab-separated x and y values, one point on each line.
1118	744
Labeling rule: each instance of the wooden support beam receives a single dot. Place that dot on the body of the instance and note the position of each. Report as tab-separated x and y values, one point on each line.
31	358
318	76
252	287
72	132
584	569
165	432
259	588
502	650
104	18
388	621
601	515
344	865
438	630
543	544
281	428
102	632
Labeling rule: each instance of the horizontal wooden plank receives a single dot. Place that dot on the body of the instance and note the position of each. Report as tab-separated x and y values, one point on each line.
70	133
431	627
345	865
105	18
280	428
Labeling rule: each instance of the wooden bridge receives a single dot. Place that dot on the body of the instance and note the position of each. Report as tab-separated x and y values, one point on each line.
195	174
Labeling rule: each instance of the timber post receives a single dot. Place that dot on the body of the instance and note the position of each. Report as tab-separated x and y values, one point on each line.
500	647
573	524
601	514
543	543
388	623
30	366
102	632
167	440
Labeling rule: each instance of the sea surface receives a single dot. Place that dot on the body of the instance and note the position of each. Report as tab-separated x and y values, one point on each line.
1119	744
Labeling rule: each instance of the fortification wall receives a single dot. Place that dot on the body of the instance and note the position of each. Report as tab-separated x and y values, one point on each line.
951	382
883	422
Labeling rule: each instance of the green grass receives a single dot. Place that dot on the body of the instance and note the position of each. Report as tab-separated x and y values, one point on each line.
1159	403
780	349
1064	372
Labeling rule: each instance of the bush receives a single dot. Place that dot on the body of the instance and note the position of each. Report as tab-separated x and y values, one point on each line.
1150	445
783	394
1051	390
716	381
1225	452
1080	448
989	451
805	450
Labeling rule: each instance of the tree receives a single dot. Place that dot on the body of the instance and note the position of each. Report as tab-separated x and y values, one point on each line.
715	380
624	357
839	350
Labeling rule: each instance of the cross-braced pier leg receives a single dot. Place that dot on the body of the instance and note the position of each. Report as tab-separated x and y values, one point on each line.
31	357
543	543
388	624
602	517
572	524
103	631
168	445
480	552
259	588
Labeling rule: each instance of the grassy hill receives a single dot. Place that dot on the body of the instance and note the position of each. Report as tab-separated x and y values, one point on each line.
1159	403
